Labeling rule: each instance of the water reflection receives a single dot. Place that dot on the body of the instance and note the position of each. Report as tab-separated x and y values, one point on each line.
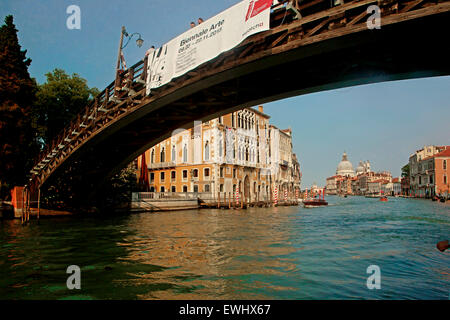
265	253
211	253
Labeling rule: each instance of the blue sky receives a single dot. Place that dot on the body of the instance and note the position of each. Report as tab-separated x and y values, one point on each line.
383	122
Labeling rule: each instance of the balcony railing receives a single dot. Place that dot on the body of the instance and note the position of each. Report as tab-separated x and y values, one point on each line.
159	165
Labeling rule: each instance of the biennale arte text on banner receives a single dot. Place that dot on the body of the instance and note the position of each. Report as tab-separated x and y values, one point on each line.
206	41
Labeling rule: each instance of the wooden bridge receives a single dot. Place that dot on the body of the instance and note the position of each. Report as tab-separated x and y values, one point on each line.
310	47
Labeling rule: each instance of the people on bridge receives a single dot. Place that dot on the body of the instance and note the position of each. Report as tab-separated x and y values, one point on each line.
200	20
192	24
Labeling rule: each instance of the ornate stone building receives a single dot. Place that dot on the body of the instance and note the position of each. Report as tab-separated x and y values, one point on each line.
238	151
345	167
340	183
347	181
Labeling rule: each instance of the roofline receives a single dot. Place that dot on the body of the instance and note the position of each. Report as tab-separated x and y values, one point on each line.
259	112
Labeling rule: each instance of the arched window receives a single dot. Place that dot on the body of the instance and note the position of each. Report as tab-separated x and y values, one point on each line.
174	154
163	155
220	147
207	151
152	156
185	153
246	154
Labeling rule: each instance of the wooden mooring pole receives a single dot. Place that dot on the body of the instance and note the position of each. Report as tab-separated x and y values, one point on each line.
23	205
28	204
218	201
39	203
242	200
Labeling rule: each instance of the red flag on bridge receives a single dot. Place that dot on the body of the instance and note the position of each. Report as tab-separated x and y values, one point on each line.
143	179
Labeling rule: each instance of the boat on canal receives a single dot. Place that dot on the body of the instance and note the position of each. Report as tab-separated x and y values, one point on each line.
315	202
312	203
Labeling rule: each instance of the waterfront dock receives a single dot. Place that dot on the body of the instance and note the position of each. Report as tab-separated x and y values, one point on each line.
166	201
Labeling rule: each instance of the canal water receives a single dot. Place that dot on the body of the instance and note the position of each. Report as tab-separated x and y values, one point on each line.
259	253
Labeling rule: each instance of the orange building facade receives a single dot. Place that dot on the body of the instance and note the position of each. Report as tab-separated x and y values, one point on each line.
237	152
432	175
442	172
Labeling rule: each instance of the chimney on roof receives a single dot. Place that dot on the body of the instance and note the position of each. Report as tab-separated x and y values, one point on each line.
261	109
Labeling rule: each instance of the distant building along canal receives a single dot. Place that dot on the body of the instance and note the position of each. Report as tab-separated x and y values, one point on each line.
362	182
430	172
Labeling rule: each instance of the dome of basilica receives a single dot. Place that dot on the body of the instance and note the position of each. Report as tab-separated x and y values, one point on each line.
360	168
345	167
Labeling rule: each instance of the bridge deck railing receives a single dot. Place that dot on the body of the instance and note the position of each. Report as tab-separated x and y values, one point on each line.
96	113
91	115
126	91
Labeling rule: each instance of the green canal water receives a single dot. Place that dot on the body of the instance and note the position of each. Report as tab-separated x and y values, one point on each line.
260	253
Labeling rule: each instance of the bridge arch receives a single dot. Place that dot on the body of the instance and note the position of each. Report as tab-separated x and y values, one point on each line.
324	50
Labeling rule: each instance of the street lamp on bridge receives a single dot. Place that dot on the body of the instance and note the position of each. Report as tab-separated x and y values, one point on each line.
122	46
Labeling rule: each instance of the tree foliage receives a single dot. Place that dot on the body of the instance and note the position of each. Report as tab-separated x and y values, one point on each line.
59	100
405	171
17	93
118	192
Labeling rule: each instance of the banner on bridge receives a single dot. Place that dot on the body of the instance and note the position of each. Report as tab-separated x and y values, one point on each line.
206	41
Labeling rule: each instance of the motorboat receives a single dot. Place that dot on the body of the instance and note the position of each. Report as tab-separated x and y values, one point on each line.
311	203
315	202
